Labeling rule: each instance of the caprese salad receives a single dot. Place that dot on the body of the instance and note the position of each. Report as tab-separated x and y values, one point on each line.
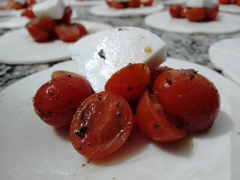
18	4
196	10
165	103
123	4
50	19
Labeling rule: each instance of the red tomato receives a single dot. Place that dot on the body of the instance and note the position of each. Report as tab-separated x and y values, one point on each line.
196	14
66	18
56	101
159	70
154	123
211	14
116	4
41	29
14	5
224	1
175	11
148	3
68	32
134	3
101	125
28	13
188	98
130	81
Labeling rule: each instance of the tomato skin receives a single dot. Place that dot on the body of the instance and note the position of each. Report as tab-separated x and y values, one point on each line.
188	98
148	3
101	125
211	14
69	32
224	1
156	72
175	10
56	101
130	81
14	5
41	29
28	13
134	4
196	14
154	123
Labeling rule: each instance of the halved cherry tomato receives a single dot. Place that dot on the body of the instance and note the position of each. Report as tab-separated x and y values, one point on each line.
130	81
134	4
101	125
56	101
117	5
148	3
154	123
196	14
28	13
224	1
188	98
66	18
41	29
211	13
156	72
175	10
14	5
69	32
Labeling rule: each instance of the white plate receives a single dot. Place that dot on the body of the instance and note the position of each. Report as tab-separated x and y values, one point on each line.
11	13
104	10
225	23
30	149
83	2
225	56
10	22
231	8
13	22
18	47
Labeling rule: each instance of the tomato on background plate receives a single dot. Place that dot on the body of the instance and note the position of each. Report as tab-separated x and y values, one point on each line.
188	98
101	125
56	101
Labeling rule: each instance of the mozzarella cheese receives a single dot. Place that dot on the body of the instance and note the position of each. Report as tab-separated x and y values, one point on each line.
100	55
201	3
53	9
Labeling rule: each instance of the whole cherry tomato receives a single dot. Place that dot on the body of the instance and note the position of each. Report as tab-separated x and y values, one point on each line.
188	98
56	101
153	121
101	125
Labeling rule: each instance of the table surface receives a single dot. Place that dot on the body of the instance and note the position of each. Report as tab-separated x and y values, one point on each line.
189	47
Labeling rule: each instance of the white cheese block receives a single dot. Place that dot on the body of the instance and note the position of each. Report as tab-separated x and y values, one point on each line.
100	55
53	9
201	3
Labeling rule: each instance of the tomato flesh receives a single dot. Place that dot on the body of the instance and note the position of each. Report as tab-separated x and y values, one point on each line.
101	125
154	123
188	98
56	101
130	81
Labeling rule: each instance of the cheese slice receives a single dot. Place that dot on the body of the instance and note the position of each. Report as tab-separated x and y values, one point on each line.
100	55
53	9
201	3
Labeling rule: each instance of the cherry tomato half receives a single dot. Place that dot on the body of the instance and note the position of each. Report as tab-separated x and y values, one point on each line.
130	81
188	98
56	101
101	125
41	30
154	123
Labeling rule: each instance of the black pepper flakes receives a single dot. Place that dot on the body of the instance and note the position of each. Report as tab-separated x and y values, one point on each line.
101	54
81	132
50	91
119	114
155	126
129	88
169	81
